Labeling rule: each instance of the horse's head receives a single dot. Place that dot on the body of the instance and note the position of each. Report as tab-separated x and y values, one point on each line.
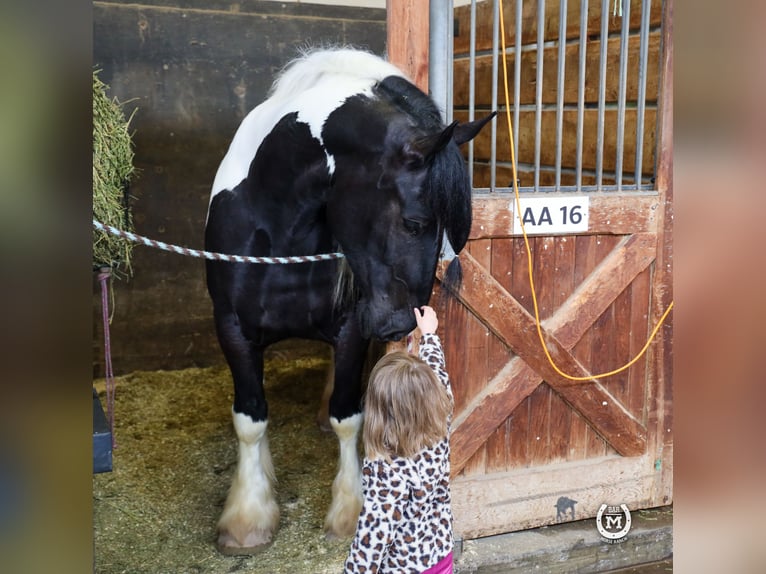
396	193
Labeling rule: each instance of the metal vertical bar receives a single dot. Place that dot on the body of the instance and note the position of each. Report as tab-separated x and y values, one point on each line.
450	26
622	92
471	85
495	51
517	78
581	88
440	55
539	88
646	7
602	93
560	88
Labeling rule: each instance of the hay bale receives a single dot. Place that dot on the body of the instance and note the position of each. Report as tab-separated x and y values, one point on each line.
112	169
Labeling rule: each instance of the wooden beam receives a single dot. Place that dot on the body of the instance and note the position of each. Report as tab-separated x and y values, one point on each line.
610	213
408	38
407	48
660	405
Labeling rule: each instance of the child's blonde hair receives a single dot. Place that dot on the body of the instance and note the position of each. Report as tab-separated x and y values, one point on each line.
406	408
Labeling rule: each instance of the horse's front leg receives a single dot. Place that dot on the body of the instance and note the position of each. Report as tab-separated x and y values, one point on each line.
346	420
250	515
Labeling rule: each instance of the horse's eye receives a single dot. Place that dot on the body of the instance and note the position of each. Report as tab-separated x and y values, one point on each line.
413	226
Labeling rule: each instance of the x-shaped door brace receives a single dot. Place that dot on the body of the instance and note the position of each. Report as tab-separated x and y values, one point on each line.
505	317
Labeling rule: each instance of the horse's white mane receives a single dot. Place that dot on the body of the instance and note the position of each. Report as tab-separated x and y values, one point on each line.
333	74
312	67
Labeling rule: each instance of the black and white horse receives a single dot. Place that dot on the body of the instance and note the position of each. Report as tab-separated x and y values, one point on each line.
345	155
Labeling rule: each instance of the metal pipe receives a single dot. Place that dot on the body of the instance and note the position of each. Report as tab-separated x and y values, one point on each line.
602	93
560	88
646	7
581	90
622	93
440	55
495	51
539	88
517	78
471	85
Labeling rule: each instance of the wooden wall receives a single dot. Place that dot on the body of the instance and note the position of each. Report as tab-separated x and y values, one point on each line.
526	149
192	69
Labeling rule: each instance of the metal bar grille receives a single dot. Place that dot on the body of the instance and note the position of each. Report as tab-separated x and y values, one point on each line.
580	100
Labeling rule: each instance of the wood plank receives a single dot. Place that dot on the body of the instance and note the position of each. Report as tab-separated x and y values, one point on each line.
502	270
585	263
561	414
407	38
525	152
603	330
544	275
526	176
637	381
539	425
509	321
623	331
610	213
497	450
458	361
518	430
526	498
484	18
528	80
578	435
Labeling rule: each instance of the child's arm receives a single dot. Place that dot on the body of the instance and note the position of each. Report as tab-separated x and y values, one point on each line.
430	345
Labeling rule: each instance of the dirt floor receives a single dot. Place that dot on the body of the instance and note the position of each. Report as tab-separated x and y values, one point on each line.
176	452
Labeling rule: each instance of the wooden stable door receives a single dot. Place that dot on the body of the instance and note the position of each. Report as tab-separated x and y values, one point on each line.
523	435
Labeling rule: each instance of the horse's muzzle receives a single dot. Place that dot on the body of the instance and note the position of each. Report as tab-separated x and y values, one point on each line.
385	325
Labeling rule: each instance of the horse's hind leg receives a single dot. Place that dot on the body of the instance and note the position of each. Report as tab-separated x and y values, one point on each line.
250	515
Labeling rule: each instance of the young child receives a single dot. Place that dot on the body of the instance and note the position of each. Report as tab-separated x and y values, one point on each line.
406	520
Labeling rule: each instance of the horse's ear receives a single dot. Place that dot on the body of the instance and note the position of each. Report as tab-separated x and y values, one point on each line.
466	132
421	150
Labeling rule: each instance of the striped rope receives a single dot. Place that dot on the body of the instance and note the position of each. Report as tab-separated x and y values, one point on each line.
214	256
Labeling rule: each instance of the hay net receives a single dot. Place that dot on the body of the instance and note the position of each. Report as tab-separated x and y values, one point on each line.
112	170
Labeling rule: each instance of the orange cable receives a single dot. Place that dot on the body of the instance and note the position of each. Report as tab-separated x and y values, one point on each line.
526	240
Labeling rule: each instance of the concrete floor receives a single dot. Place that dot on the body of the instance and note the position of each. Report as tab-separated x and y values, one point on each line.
574	547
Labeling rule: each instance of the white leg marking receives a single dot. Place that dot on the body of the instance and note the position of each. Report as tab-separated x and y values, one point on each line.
347	487
251	514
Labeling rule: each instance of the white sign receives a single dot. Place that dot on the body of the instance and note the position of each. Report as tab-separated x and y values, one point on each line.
548	215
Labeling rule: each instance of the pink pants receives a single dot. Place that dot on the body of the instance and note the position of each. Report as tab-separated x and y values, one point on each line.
444	566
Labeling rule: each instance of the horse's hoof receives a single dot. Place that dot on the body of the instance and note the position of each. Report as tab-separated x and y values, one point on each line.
324	424
339	530
253	544
332	536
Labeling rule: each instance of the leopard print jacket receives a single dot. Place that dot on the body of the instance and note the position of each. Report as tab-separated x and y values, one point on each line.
406	521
